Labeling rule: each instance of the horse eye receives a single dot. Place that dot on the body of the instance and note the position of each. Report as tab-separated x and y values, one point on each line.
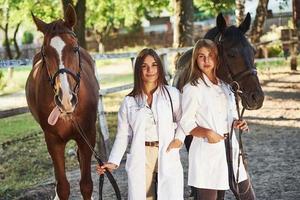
75	49
231	54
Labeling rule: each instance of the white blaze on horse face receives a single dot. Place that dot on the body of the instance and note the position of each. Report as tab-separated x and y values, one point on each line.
58	44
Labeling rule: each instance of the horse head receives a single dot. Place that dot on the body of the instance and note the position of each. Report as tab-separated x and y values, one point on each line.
237	60
61	57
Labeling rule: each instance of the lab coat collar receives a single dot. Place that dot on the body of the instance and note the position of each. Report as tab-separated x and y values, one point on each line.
141	100
208	82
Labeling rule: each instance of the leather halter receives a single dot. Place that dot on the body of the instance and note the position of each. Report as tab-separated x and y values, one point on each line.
75	76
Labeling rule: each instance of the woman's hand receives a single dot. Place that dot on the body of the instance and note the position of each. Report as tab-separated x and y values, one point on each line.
241	124
214	137
176	143
107	166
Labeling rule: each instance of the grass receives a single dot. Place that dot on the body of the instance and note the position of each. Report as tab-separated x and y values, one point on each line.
17	126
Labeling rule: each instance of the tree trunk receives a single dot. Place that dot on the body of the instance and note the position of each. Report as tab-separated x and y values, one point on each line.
257	26
80	9
65	5
6	42
239	11
80	27
295	44
18	53
183	26
183	30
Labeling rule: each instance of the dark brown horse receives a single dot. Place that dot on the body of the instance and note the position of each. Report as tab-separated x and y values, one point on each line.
62	88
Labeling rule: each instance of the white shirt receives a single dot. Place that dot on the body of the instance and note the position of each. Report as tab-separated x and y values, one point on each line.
151	133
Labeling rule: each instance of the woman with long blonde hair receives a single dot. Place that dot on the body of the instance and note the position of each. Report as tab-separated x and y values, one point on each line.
208	111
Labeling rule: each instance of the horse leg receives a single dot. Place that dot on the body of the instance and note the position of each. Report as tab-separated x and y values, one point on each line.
85	155
56	149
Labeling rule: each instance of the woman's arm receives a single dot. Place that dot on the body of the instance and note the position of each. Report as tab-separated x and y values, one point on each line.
211	136
123	133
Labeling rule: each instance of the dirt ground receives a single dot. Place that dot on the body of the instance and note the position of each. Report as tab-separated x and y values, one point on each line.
273	147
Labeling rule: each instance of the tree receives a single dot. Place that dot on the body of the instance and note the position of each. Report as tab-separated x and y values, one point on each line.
183	27
80	8
239	11
214	7
257	26
7	10
103	17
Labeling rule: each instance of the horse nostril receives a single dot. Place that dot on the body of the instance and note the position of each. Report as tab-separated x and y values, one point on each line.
57	100
74	99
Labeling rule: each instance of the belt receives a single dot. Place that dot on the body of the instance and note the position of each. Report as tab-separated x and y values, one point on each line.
152	144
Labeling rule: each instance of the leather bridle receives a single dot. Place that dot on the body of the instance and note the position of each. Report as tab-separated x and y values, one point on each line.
75	75
233	76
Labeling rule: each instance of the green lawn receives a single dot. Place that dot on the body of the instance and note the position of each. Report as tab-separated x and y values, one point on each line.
17	126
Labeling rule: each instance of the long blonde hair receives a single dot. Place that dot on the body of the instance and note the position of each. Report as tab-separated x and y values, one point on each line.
194	72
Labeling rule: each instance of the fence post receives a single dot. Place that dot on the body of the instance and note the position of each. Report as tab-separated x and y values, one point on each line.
103	144
132	62
164	60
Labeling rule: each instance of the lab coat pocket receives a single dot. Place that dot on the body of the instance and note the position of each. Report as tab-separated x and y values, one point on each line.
173	160
212	154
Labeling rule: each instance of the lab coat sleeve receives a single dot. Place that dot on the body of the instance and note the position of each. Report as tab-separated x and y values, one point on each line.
122	137
189	106
179	133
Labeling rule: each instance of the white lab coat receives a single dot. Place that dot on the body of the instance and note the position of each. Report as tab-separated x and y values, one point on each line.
207	162
131	127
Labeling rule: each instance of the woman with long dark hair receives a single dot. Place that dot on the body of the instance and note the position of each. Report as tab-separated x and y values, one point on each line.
148	119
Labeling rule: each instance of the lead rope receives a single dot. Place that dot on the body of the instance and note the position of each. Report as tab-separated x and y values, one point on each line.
100	162
236	91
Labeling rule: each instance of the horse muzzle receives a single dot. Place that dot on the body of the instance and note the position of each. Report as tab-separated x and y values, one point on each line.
68	105
253	101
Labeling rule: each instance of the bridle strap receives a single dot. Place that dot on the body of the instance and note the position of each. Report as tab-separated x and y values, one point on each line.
76	76
234	77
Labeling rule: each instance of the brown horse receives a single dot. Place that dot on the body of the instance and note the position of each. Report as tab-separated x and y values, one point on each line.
62	88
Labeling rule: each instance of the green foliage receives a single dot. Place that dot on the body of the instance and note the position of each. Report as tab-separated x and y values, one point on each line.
2	84
275	50
282	4
27	38
213	7
10	41
105	16
272	38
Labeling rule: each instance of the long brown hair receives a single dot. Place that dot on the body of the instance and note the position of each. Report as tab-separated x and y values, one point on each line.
194	71
138	84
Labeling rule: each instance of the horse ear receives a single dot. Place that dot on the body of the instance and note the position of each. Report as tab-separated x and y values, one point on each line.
245	25
221	23
70	16
41	25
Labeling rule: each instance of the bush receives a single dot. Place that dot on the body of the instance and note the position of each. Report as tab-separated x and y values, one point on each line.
1	80
27	38
10	41
275	51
